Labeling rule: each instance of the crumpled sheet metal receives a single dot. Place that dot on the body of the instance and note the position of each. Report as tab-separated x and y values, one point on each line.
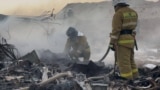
32	74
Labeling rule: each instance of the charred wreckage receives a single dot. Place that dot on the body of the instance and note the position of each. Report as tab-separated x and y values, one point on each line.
58	72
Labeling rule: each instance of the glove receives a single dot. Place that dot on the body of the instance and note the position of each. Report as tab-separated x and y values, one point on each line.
112	47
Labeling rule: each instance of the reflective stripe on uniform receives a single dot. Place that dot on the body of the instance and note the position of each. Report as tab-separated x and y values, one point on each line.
129	15
111	46
87	49
126	74
125	41
128	24
135	70
114	37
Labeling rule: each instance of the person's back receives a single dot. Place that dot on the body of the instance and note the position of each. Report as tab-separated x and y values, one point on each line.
129	20
122	39
129	17
77	46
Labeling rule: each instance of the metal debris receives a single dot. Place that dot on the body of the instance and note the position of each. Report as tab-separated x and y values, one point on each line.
54	71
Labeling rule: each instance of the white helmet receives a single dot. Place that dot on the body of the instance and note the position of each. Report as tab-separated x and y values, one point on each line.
115	2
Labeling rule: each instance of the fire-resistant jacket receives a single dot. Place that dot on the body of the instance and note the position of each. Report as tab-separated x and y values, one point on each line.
124	18
80	44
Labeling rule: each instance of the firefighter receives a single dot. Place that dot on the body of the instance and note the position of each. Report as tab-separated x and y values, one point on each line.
77	45
122	39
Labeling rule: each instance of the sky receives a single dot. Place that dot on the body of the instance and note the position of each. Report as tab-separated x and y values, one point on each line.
36	7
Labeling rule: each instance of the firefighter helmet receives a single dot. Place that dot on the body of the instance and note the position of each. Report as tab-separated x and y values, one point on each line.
71	32
116	2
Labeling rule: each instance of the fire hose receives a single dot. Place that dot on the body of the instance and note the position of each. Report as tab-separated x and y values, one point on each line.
108	49
105	54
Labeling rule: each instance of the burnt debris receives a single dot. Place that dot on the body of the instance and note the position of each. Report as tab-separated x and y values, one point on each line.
55	71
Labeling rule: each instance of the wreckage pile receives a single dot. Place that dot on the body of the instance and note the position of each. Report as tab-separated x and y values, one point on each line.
58	72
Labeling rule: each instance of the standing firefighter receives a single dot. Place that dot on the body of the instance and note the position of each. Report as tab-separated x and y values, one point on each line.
122	39
77	45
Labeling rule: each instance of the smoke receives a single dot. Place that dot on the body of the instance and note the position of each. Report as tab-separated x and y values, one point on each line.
36	7
94	20
153	0
29	34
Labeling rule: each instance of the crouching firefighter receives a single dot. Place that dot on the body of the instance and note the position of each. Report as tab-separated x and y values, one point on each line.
77	45
122	39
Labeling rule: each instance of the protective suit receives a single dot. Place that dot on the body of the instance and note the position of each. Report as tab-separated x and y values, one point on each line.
122	39
77	46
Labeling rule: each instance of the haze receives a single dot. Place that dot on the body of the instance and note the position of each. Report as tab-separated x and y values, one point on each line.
37	7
